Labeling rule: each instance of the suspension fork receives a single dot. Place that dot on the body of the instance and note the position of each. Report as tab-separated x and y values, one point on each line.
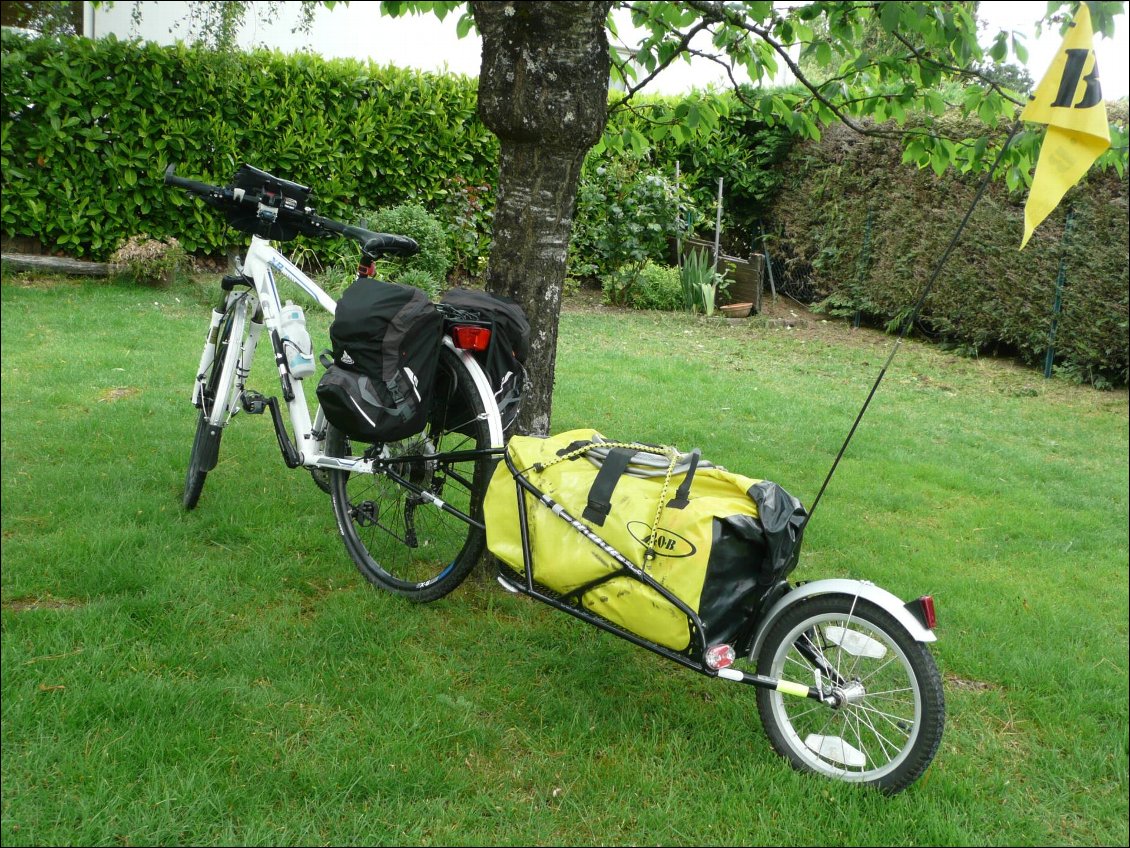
207	356
226	301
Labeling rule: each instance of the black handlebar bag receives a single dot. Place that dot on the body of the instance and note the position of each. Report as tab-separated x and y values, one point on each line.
276	193
385	340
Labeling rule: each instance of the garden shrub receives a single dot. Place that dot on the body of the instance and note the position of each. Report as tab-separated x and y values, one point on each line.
658	287
466	212
421	279
745	151
862	233
148	261
88	127
413	220
626	215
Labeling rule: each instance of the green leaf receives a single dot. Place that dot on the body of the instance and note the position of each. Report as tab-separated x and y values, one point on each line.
1020	50
940	158
914	153
760	10
890	16
823	54
998	52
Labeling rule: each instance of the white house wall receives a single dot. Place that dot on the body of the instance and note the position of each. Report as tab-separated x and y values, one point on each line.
359	31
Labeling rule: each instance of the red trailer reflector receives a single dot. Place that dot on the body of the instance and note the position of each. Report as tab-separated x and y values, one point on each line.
720	656
929	615
475	339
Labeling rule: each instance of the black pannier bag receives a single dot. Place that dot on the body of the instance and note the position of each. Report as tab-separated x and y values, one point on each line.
503	361
386	339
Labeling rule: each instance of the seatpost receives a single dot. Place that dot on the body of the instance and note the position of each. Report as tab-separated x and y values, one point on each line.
367	267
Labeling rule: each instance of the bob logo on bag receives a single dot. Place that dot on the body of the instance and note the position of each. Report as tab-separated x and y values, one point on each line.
666	543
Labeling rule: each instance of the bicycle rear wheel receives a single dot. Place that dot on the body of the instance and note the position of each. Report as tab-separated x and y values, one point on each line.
401	541
215	399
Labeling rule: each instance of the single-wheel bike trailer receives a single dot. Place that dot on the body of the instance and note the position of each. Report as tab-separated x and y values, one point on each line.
845	684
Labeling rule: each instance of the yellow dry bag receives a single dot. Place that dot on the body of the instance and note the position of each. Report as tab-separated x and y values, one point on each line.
715	540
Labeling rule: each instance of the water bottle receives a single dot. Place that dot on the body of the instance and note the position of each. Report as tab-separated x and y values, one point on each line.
296	341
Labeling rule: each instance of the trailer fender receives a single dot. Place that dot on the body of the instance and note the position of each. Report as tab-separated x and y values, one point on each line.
841	586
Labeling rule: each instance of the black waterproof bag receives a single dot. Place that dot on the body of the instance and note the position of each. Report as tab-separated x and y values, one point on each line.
385	341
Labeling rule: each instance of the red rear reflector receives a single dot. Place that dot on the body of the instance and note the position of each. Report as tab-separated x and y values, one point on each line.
471	338
720	656
931	617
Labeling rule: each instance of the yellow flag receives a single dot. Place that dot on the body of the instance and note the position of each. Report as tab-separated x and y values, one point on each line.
1070	101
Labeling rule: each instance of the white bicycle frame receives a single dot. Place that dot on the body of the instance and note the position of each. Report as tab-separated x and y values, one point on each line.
261	264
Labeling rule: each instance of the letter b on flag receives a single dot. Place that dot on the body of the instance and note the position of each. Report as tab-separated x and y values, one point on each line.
1069	81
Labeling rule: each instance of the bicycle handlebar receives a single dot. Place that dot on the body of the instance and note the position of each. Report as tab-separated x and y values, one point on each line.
372	244
195	187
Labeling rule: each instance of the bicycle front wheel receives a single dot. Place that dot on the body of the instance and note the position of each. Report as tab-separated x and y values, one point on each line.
202	459
215	401
890	712
400	540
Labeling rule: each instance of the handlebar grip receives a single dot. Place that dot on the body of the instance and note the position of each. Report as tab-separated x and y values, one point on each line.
374	244
378	244
172	179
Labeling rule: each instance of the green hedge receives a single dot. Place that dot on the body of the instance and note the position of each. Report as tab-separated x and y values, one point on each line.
863	232
89	126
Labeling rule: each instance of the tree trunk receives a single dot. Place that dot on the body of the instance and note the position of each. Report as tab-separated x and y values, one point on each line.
543	90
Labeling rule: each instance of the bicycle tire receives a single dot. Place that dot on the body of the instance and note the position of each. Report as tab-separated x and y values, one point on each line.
886	732
399	541
209	424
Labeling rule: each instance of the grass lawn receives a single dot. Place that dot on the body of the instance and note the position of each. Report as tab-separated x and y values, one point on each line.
224	676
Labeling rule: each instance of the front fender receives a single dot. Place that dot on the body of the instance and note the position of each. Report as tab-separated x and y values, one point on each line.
841	586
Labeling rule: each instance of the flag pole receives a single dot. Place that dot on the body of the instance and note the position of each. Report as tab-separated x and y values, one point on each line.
1057	305
908	322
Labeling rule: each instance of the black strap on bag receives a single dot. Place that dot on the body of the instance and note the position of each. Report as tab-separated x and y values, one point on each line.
683	494
573	447
600	494
613	468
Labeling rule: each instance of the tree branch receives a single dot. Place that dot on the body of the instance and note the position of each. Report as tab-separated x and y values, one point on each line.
962	72
720	14
681	48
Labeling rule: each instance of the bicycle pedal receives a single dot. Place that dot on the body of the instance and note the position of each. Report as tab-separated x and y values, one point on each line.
253	403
